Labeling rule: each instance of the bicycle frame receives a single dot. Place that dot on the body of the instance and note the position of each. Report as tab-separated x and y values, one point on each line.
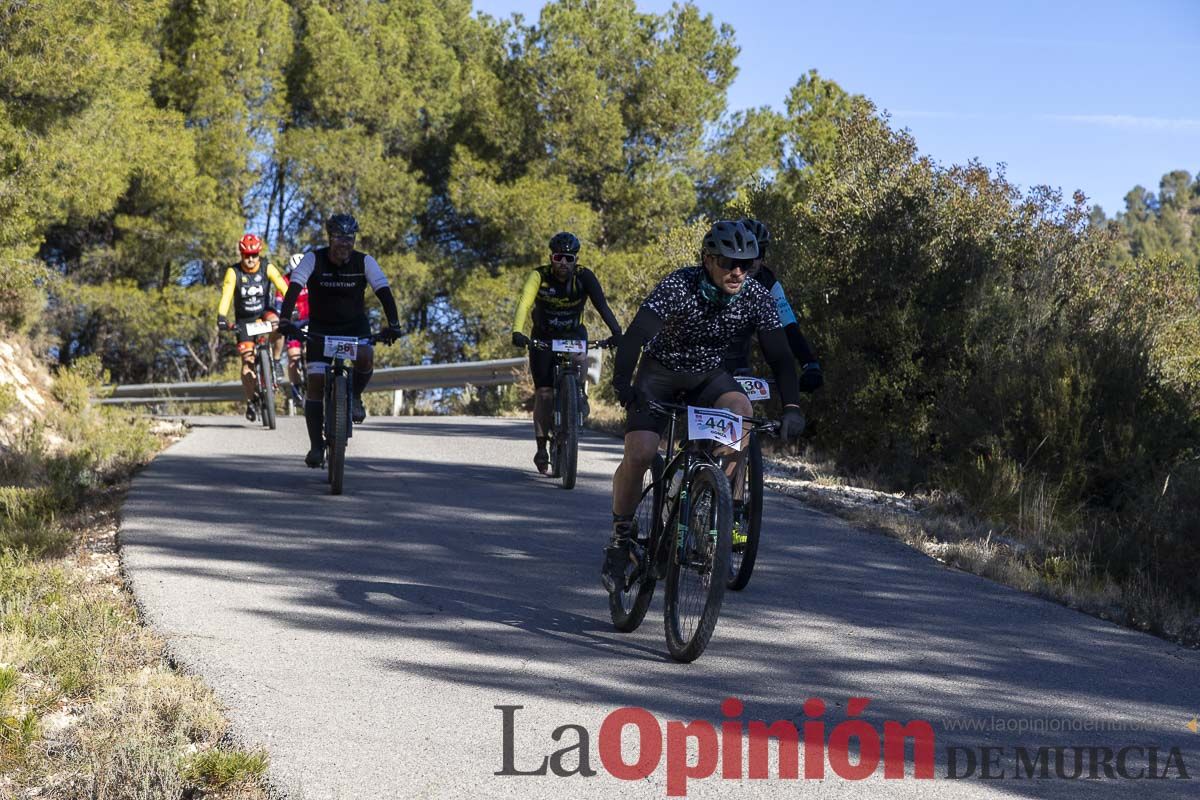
563	362
684	456
336	368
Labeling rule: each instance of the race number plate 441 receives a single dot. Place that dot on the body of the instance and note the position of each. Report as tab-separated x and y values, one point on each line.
716	424
341	347
568	346
755	388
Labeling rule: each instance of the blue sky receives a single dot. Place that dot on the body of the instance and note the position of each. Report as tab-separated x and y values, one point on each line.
1099	95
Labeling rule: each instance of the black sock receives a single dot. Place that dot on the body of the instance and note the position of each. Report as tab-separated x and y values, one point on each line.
361	379
314	418
541	444
622	523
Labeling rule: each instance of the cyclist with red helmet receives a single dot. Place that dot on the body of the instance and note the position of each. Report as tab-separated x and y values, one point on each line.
246	291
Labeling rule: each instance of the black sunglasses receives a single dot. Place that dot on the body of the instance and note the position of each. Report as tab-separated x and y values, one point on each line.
728	264
566	258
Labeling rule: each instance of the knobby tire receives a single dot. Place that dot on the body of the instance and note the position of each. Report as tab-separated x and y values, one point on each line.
628	609
741	565
340	411
698	568
568	439
266	387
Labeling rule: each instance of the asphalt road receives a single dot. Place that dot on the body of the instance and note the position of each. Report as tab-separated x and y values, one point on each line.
366	640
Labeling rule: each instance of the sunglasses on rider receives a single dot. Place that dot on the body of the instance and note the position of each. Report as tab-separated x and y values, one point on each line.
565	258
746	265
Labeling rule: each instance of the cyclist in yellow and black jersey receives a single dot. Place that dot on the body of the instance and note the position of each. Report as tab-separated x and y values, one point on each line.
551	307
246	290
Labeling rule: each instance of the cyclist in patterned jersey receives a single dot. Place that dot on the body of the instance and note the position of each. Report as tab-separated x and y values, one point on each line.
686	325
337	277
554	297
737	358
294	345
246	289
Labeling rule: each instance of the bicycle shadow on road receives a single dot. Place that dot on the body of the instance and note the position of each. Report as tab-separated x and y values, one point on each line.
491	574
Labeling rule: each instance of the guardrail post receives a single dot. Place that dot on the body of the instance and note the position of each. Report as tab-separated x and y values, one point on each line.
397	402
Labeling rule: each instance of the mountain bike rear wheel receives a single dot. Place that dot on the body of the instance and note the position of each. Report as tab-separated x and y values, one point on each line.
748	518
628	609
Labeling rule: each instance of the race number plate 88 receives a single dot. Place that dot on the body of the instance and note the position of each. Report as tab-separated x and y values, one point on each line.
341	347
568	346
755	388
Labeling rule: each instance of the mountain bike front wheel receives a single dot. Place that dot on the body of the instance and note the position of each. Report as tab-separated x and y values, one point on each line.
568	439
266	388
339	428
699	563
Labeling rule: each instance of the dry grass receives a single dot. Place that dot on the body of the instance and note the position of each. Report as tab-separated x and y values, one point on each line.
1033	554
89	705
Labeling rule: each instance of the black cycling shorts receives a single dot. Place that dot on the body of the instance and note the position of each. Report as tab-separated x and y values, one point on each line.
541	362
656	382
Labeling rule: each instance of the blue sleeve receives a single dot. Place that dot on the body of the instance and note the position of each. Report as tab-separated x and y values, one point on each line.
786	315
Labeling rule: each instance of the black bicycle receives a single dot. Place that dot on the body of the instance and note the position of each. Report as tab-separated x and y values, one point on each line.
684	529
748	502
265	369
339	381
295	398
568	403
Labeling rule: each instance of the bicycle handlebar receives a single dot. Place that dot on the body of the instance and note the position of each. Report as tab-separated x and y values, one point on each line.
542	344
764	424
300	328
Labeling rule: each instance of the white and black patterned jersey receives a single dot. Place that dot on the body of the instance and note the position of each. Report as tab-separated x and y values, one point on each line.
336	292
696	332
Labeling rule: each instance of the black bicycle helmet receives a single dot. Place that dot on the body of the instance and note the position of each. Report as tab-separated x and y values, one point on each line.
760	232
341	225
730	239
564	242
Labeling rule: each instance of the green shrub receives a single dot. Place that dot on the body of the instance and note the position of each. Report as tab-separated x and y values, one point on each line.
27	521
73	385
218	769
22	298
980	339
8	399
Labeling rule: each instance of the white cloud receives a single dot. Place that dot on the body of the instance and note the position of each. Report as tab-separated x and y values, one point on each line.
1128	122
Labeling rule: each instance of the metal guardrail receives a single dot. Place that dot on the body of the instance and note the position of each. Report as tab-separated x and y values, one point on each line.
386	379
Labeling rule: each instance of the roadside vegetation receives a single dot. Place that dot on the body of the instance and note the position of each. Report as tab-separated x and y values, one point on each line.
1025	365
89	704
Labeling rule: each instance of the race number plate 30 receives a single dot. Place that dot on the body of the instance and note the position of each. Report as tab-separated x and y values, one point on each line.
716	424
258	328
568	346
341	347
755	388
